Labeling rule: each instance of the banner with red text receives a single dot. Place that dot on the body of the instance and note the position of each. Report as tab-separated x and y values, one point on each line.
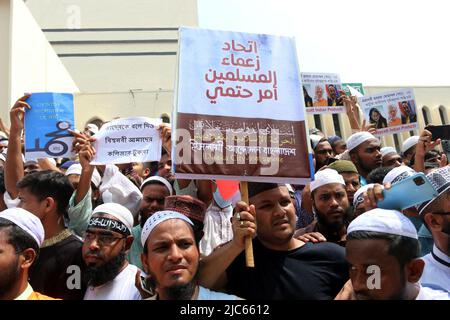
239	109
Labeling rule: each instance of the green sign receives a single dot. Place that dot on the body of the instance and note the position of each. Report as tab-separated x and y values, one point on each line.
357	86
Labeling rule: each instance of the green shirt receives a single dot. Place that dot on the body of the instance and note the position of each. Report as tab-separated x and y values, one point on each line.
80	214
134	254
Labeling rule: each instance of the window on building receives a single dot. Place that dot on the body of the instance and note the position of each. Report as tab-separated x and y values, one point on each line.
318	122
443	115
426	115
337	125
397	142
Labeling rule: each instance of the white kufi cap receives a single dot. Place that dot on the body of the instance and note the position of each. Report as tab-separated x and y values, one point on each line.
384	221
357	138
409	143
159	217
118	211
26	221
326	176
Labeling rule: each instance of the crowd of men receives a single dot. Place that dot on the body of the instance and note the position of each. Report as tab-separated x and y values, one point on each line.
71	230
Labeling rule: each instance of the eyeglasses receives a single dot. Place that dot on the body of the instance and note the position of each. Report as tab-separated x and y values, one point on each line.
102	239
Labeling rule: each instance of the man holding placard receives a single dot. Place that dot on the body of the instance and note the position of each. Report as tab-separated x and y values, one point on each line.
285	268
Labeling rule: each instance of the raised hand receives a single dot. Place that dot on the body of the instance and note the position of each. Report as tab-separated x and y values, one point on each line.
17	114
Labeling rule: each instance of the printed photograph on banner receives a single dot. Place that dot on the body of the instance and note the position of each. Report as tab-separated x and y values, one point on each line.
126	140
239	108
322	93
390	112
377	116
47	124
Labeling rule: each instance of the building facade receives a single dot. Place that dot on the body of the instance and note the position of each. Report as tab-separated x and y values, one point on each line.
432	103
121	54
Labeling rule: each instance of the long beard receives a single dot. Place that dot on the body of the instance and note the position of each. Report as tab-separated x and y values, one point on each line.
100	275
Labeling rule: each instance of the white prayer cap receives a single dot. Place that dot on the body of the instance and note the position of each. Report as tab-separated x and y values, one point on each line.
384	221
51	160
76	169
315	139
26	221
409	143
96	178
4	142
92	127
118	211
387	150
398	174
358	197
326	176
357	138
73	169
159	217
159	179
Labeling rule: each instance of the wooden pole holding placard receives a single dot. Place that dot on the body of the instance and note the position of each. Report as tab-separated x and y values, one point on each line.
249	261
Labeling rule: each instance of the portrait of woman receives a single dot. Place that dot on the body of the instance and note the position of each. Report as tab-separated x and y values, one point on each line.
376	118
308	99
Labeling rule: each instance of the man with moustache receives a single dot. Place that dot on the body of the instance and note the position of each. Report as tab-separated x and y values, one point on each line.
390	157
171	258
364	151
383	253
330	204
350	174
107	238
436	216
154	192
285	267
21	235
322	151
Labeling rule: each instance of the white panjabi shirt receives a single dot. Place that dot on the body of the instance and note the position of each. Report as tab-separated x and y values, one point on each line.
436	273
217	228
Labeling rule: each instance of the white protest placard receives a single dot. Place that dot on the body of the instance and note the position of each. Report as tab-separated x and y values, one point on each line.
390	112
239	109
126	140
321	92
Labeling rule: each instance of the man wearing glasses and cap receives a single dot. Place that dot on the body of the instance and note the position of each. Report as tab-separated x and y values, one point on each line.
436	215
106	241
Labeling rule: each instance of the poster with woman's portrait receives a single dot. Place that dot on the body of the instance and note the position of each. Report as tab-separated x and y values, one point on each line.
390	112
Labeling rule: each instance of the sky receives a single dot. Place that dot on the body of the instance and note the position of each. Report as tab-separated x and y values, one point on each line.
382	42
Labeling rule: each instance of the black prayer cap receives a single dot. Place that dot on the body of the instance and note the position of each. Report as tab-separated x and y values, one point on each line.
255	188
